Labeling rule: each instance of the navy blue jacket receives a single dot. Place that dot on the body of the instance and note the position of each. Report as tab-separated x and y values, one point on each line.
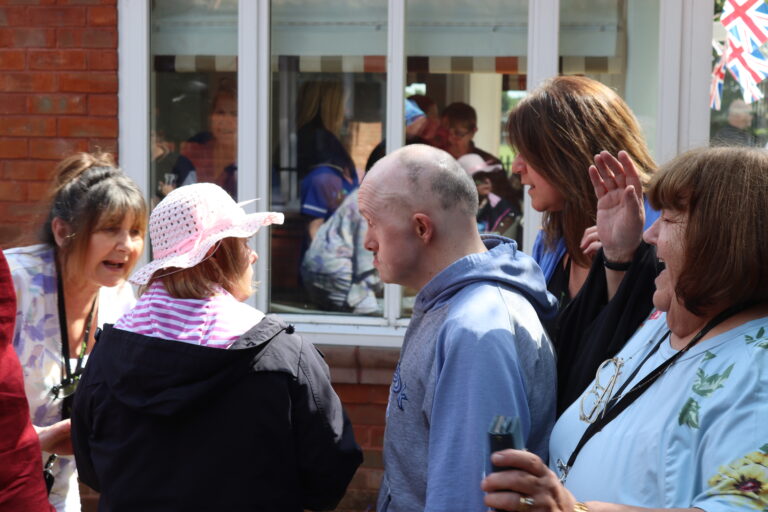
164	425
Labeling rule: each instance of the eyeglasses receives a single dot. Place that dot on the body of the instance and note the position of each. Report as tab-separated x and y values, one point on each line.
460	133
66	388
592	404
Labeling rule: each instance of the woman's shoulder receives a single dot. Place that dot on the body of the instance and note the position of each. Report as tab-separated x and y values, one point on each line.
30	257
33	269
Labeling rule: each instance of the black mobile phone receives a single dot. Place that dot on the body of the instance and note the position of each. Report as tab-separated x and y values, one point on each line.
504	433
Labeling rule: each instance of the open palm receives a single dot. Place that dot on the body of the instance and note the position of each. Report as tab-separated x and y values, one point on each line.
620	213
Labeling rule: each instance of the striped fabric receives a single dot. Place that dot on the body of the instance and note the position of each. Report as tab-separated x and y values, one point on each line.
511	65
214	322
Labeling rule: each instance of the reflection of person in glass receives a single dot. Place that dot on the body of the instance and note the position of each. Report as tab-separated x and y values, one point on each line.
214	153
325	168
736	132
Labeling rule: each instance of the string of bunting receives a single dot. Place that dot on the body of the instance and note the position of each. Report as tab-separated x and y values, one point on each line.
746	26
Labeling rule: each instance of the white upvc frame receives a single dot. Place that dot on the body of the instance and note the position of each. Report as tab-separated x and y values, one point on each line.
682	118
542	59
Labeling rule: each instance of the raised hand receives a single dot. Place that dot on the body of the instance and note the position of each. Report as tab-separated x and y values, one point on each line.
620	213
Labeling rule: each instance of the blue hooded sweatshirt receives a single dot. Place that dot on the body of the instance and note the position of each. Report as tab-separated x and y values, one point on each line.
474	348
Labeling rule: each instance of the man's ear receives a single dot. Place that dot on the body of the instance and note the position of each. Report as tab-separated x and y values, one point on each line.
62	232
424	227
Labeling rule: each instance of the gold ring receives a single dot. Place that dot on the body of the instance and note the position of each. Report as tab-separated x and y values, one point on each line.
526	502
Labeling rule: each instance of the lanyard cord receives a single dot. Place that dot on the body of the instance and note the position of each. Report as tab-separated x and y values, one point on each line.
65	332
620	402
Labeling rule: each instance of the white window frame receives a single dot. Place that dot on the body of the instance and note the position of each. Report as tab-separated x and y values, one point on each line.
682	118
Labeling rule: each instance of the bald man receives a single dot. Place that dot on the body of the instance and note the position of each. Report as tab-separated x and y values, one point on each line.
475	346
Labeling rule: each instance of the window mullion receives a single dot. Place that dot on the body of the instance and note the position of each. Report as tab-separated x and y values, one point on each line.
395	132
542	62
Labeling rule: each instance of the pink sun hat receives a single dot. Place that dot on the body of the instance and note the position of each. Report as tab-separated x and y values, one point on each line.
190	220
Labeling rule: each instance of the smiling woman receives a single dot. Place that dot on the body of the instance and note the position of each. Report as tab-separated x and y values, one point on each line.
683	387
66	287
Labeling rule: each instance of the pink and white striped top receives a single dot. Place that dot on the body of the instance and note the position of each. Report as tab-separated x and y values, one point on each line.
213	322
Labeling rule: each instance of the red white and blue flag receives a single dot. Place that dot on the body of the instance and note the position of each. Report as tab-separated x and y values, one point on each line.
746	21
718	75
749	68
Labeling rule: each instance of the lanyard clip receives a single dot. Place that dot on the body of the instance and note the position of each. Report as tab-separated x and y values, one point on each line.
563	468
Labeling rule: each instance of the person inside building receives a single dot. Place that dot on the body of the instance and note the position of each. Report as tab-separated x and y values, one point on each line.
556	130
195	400
737	131
416	122
213	153
430	109
68	286
475	346
326	172
679	409
495	214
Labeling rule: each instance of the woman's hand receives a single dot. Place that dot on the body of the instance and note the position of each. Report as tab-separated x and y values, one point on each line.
530	486
590	242
56	438
620	213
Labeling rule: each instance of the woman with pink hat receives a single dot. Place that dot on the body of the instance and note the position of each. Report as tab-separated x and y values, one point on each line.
196	400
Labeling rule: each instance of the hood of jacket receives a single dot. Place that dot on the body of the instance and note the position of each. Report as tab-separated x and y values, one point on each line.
504	264
163	377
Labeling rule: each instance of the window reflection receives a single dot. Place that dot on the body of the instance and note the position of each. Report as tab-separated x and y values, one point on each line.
328	108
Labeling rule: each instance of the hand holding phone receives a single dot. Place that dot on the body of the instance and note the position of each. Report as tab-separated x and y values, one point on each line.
504	433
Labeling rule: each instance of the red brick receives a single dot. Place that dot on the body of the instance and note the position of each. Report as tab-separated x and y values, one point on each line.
86	38
366	414
38	190
362	393
102	81
377	437
103	146
13	148
102	105
82	2
102	59
39	170
103	16
13	16
27	37
13	191
57	59
30	2
11	59
362	435
27	82
57	16
56	149
28	126
87	127
57	104
12	104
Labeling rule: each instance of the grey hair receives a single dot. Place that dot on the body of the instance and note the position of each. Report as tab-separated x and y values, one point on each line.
444	177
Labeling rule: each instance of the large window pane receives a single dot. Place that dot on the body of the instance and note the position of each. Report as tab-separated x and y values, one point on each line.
193	94
466	63
328	107
617	43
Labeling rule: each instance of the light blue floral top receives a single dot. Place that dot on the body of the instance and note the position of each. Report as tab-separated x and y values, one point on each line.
697	437
37	341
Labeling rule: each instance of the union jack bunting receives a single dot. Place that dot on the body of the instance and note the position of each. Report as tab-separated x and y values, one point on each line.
718	75
748	68
746	21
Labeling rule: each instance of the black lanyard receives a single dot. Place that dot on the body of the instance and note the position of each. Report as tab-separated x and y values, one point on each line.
70	376
621	401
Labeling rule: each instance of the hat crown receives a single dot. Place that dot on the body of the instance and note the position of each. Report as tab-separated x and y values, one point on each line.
190	215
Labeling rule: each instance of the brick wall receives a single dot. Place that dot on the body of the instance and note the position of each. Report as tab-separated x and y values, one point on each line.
361	377
58	95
